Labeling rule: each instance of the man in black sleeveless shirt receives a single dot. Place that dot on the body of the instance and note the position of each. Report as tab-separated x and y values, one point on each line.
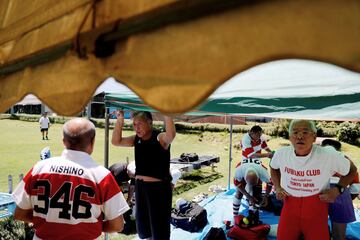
153	192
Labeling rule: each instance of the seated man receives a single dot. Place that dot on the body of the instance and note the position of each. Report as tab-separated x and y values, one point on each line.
124	175
248	178
252	144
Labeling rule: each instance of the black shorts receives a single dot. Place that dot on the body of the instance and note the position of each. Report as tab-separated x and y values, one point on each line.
153	209
43	129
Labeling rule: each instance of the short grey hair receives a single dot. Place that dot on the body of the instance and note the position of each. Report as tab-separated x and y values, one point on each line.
145	115
310	123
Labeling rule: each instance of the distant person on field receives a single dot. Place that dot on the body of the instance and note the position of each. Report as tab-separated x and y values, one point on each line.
44	126
252	145
71	196
341	212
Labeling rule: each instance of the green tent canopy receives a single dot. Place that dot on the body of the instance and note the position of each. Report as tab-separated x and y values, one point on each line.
281	89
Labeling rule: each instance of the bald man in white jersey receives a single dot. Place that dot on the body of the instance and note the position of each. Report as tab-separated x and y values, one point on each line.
71	196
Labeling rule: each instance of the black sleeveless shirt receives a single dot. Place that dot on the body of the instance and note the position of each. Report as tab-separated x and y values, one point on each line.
151	159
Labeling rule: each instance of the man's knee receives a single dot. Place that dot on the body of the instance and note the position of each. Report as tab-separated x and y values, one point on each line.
238	194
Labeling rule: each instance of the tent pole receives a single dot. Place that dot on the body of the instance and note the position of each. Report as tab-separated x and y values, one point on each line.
230	151
106	146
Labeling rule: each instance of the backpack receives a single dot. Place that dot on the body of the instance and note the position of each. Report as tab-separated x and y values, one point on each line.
258	232
215	234
188	157
275	206
190	218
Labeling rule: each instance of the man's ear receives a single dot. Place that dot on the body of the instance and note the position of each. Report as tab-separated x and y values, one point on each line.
65	143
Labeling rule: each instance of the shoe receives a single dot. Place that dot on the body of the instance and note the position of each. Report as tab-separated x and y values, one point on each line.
47	138
216	189
43	138
199	197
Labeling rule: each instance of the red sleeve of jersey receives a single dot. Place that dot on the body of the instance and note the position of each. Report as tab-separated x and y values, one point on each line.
356	178
264	145
248	151
108	188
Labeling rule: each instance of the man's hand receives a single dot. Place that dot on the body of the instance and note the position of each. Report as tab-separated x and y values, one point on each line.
329	195
265	201
119	114
252	201
117	138
281	194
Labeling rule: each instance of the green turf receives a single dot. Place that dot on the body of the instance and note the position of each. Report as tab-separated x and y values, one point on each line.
21	143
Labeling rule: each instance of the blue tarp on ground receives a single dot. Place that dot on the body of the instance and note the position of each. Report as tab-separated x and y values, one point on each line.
219	208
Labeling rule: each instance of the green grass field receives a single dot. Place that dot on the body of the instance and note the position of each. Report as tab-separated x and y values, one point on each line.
21	143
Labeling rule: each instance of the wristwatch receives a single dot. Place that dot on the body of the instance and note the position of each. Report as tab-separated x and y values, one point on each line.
340	188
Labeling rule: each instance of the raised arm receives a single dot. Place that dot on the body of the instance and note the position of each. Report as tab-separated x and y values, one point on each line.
117	138
168	136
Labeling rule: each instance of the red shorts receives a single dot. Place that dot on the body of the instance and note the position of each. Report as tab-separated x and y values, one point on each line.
303	215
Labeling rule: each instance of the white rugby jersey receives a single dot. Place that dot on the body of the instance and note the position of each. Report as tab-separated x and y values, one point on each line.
261	172
250	147
70	196
304	176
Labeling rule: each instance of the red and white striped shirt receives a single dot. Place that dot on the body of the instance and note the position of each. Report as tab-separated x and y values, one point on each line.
250	147
70	196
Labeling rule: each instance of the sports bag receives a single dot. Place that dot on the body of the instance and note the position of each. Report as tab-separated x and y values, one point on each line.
258	232
188	157
191	217
245	232
215	234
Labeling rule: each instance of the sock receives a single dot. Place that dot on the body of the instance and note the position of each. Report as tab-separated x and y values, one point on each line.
236	205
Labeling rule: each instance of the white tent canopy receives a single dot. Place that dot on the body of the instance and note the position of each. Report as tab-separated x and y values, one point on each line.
29	99
110	85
